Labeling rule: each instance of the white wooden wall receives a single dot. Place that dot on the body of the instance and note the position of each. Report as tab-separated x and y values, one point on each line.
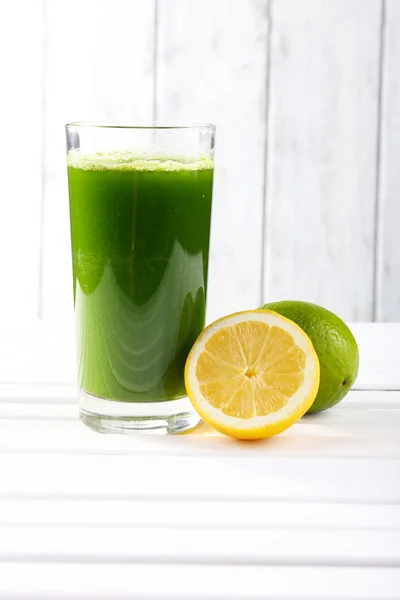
306	97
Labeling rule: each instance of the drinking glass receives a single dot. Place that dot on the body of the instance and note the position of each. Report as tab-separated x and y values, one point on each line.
140	209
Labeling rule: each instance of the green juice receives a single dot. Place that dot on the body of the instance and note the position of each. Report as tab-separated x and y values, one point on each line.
140	233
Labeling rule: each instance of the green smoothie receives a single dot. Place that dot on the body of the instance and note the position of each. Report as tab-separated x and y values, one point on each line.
140	238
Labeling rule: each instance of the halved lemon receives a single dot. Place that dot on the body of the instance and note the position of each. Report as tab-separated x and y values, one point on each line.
252	374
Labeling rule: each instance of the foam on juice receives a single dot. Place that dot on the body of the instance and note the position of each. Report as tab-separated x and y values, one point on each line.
128	161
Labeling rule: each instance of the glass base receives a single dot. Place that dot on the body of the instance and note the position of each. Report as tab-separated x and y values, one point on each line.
108	416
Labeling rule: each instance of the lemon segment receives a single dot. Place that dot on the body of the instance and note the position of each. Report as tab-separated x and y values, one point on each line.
252	374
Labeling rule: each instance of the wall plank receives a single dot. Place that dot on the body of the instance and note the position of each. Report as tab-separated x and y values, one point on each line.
100	57
21	33
212	66
322	148
388	259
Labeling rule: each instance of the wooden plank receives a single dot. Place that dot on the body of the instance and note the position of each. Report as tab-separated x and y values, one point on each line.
45	411
212	66
36	398
194	582
379	346
39	394
321	160
21	103
370	401
359	407
99	67
362	407
388	259
216	546
206	477
236	515
341	432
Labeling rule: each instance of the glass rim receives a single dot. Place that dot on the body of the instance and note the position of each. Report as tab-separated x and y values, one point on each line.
128	125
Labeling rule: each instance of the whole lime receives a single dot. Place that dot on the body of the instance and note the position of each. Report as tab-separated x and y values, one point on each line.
334	344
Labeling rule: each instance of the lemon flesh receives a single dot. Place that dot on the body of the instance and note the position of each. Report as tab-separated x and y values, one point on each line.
252	374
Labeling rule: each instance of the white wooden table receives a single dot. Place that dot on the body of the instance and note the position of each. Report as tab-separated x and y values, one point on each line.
312	514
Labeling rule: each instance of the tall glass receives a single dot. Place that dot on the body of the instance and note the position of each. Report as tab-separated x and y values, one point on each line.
140	208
